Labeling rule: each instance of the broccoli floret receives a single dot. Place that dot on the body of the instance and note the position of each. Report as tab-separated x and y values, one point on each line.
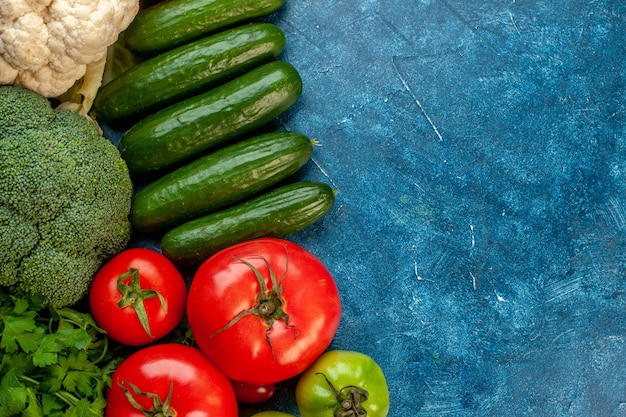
65	196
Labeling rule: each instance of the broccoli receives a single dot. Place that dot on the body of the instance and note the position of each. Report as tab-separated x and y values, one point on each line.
65	196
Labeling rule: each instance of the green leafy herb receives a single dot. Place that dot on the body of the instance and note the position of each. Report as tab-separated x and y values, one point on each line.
55	362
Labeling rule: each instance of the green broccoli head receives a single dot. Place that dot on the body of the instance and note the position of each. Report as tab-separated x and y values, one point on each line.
65	196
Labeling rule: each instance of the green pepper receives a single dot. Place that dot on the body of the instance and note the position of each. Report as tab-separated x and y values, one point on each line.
343	384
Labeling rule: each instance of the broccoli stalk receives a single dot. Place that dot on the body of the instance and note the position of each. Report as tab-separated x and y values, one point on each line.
65	196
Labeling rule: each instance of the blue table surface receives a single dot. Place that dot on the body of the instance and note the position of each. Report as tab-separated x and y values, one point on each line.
478	237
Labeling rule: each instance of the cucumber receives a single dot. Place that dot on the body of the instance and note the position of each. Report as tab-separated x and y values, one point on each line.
185	129
218	179
187	70
171	23
277	213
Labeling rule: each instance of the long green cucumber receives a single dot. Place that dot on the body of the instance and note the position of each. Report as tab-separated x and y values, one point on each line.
183	130
187	70
277	213
218	179
171	23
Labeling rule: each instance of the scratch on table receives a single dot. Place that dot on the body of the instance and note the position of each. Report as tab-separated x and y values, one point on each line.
354	22
458	16
563	288
615	114
500	298
416	100
394	28
287	25
412	333
472	245
615	213
417	274
324	173
514	24
562	334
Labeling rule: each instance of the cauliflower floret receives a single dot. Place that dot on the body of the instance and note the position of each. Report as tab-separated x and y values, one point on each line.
8	74
21	49
47	45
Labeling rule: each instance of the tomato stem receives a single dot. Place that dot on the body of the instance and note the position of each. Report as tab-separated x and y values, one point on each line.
133	296
159	408
349	399
269	302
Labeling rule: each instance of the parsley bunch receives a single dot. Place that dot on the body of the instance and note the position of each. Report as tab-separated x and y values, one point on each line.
55	362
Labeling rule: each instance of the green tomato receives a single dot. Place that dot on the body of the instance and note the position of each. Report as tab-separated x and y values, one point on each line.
343	384
272	414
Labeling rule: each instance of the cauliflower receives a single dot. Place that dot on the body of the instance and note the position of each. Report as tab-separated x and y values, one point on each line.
65	196
47	45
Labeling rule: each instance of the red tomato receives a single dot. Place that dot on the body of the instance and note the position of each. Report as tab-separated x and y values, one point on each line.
138	283
263	310
252	393
173	379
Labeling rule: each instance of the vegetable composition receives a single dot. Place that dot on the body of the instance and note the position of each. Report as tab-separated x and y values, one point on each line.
169	380
219	179
47	46
276	213
138	297
54	362
172	23
274	309
187	70
343	383
185	129
65	197
94	325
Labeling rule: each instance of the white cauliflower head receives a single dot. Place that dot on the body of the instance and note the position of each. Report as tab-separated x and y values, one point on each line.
46	45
